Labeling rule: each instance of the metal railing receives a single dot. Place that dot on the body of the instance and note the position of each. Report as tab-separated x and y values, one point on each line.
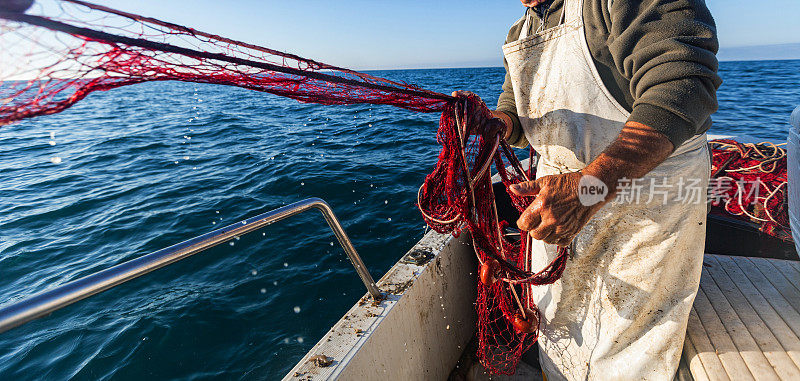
51	300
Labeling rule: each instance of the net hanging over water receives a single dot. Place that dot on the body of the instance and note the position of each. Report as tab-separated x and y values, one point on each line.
61	51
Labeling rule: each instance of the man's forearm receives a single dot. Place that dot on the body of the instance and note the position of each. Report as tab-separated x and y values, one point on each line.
637	151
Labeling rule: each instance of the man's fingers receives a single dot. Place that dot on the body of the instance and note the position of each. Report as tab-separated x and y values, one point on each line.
543	233
525	188
531	217
564	242
461	93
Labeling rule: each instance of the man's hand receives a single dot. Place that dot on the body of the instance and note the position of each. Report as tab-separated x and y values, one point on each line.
507	122
499	116
557	215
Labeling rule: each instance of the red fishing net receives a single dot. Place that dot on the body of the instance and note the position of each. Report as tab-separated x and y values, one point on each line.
78	48
749	182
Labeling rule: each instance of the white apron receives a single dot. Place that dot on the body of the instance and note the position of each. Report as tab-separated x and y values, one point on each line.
621	308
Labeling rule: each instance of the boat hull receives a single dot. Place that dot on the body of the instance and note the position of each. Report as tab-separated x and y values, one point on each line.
793	169
418	332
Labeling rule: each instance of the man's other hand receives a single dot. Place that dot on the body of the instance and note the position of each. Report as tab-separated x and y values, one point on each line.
557	214
498	116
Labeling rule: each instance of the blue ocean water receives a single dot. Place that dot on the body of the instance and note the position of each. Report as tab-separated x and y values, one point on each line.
150	165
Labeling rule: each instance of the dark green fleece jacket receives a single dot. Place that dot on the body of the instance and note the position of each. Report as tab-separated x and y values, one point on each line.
656	57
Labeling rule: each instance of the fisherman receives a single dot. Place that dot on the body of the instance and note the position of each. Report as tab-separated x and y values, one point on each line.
616	97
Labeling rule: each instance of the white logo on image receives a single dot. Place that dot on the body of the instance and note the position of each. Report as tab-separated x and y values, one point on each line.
591	190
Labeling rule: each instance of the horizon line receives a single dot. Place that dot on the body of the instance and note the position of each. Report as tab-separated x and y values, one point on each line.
498	67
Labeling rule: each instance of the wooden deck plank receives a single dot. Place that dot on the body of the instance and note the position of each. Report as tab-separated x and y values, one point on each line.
722	342
790	269
777	326
696	367
774	352
706	361
775	298
795	264
784	278
746	346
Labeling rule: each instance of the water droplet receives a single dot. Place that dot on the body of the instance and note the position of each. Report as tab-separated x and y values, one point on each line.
448	326
186	158
52	142
296	309
263	290
286	340
302	184
231	243
144	338
253	272
389	219
285	264
386	202
263	234
370	124
176	162
55	160
213	222
331	243
218	212
300	340
275	283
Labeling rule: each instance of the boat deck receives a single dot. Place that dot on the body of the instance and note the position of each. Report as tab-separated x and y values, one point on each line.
745	323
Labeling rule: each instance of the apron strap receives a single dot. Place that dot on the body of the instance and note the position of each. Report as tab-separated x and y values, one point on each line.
526	26
573	11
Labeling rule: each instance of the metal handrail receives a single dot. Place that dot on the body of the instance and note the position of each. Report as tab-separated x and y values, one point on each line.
48	301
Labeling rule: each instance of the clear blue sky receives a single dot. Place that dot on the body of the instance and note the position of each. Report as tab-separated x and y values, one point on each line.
365	34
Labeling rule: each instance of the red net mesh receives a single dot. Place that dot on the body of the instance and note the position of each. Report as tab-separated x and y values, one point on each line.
79	48
50	63
749	182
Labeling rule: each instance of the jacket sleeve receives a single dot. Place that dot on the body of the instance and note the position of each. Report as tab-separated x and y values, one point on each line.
506	102
667	48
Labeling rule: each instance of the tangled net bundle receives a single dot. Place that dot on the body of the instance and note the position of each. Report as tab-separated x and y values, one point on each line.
749	182
79	48
458	195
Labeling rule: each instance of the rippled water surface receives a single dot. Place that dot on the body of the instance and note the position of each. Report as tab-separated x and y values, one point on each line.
133	170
